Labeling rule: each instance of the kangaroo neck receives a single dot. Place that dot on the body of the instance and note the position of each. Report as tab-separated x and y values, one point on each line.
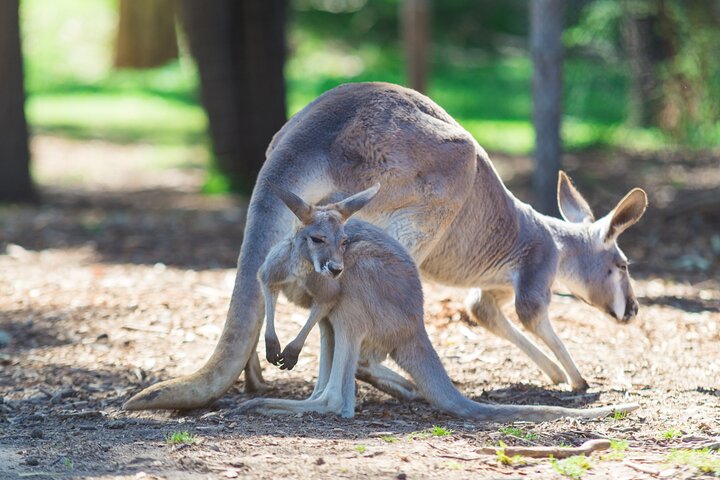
569	238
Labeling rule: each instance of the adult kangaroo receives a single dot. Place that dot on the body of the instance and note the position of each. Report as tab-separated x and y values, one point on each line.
442	199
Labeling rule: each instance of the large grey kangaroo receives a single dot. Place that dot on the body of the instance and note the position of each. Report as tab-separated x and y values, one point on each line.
365	290
445	203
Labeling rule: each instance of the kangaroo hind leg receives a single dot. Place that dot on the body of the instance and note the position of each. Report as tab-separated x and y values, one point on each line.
484	306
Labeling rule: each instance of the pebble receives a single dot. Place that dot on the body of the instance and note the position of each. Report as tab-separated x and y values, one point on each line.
36	433
32	461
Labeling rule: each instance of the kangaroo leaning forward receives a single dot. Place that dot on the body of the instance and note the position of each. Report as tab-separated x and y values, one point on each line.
444	202
365	290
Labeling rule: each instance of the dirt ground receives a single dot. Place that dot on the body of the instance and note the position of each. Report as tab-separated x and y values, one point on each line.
122	278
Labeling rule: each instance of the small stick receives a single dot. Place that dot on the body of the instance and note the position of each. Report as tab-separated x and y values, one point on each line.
557	452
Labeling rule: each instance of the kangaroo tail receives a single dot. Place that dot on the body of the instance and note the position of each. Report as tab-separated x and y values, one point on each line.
420	360
267	222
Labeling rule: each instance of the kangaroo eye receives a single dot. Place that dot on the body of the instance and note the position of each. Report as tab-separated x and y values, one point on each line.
623	267
317	240
344	242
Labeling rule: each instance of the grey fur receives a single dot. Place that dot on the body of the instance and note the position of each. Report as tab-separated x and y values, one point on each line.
443	201
372	310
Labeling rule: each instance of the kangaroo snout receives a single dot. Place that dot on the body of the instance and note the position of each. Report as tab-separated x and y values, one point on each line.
334	268
631	309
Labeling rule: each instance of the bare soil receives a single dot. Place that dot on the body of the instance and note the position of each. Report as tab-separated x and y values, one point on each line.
122	278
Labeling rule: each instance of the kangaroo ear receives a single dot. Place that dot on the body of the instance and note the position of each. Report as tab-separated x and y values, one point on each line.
296	204
354	203
627	212
573	206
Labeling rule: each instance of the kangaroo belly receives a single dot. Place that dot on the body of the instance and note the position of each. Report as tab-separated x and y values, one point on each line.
297	294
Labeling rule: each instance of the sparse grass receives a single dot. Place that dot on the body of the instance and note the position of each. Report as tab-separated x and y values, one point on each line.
671	434
68	463
389	438
179	438
504	459
617	450
454	466
705	460
437	431
619	415
360	448
517	433
573	467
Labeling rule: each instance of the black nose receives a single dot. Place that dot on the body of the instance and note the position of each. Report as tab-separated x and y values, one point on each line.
631	309
335	271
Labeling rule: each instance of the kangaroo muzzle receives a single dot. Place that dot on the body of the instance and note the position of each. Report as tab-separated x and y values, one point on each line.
333	269
631	309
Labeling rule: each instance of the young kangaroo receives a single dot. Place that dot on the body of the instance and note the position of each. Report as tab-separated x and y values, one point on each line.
365	290
444	202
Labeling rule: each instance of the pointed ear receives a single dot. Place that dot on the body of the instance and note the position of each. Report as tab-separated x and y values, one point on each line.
354	203
296	204
573	206
627	212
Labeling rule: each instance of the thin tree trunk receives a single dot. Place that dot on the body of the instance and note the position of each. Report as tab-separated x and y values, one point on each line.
15	182
546	27
415	16
146	33
240	51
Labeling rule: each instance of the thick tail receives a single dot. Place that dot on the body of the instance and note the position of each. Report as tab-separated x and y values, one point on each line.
421	361
268	221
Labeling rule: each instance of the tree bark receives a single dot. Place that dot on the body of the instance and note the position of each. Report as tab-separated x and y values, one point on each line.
15	182
546	27
240	51
415	16
146	34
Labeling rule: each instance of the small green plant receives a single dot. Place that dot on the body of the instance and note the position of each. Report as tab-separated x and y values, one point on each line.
517	433
389	438
360	448
619	415
436	431
179	438
617	450
69	465
671	434
454	466
573	467
704	460
504	459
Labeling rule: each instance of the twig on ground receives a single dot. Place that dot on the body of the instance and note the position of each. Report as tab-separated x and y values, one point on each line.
557	452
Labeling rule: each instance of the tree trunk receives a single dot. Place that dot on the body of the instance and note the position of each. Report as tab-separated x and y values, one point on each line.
240	51
15	183
546	27
146	34
415	18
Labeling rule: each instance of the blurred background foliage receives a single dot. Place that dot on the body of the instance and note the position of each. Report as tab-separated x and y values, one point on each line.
480	72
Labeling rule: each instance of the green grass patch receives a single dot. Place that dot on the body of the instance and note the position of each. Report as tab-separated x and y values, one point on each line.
517	433
617	450
389	438
671	434
705	460
572	467
619	415
504	459
179	438
437	431
360	448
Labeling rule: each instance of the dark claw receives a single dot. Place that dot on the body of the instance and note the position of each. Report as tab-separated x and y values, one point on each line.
289	358
272	351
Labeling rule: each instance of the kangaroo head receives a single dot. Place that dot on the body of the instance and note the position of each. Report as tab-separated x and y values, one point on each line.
592	266
321	237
